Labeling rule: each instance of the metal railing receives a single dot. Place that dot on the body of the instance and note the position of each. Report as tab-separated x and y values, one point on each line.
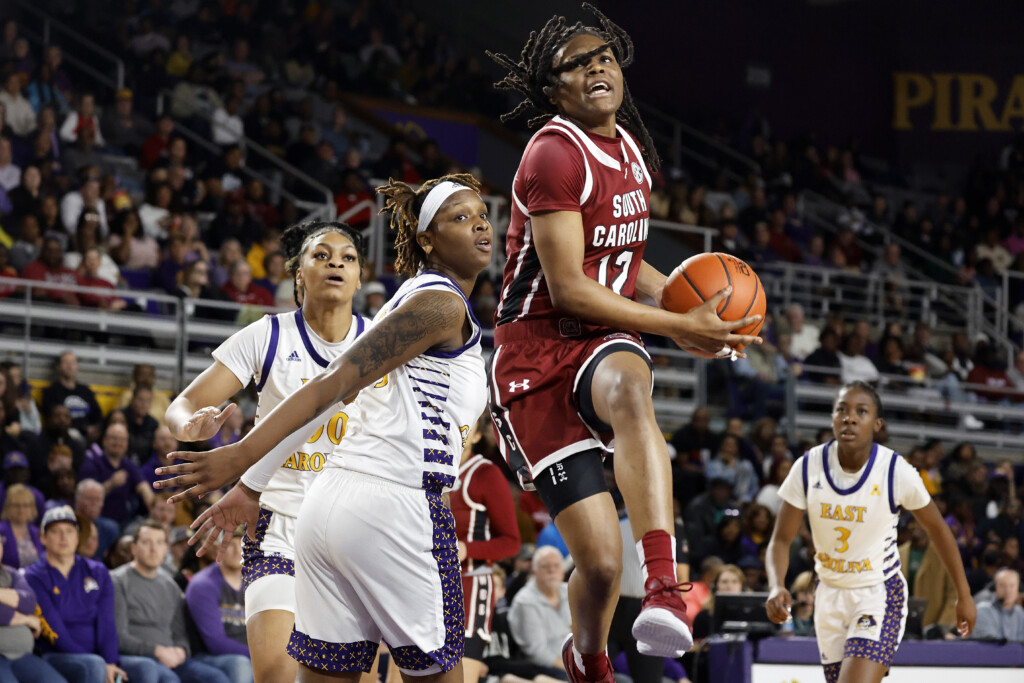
175	336
992	315
171	333
870	296
50	26
919	410
685	140
325	210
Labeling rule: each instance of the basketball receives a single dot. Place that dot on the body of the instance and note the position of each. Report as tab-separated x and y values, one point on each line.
700	277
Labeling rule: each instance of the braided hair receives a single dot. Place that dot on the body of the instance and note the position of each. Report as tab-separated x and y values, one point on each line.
534	74
297	238
405	203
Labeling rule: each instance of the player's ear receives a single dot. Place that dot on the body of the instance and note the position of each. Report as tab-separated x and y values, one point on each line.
549	92
879	424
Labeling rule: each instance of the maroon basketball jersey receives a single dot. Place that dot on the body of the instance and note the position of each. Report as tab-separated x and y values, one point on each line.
485	517
565	168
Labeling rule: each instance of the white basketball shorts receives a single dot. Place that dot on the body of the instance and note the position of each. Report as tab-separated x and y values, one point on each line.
376	560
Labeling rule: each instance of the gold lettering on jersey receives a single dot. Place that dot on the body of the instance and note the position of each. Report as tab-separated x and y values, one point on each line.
843	513
624	234
382	383
464	433
305	462
841	566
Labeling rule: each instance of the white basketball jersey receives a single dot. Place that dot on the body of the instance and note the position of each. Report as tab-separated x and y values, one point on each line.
413	422
853	516
280	353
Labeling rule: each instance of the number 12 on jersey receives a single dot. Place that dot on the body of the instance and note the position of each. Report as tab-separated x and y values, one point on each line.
622	261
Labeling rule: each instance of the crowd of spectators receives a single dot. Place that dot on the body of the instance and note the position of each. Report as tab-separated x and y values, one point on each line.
95	471
98	190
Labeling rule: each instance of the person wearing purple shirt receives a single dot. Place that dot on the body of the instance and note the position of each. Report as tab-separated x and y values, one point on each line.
122	482
76	603
18	631
216	601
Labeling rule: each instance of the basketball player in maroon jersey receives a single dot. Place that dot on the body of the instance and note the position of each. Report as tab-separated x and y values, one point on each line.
570	373
485	524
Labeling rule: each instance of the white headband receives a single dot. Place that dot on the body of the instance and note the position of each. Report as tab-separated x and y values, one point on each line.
433	201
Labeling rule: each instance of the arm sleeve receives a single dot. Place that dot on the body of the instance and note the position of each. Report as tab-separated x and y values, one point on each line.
497	498
242	353
527	625
179	633
908	487
106	628
554	174
129	643
792	490
60	637
203	596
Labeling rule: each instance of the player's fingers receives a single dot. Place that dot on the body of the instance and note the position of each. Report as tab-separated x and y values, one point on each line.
745	339
203	519
225	414
211	541
191	493
184	456
718	298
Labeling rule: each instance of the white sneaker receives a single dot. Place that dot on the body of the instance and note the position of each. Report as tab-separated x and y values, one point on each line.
968	421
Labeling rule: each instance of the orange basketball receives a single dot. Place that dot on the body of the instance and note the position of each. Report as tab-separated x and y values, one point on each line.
700	277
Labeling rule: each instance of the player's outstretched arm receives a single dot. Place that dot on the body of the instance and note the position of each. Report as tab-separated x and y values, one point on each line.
559	239
424	321
939	533
194	415
777	559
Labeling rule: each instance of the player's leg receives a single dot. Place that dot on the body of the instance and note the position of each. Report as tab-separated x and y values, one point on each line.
268	633
307	675
456	675
590	529
472	670
862	670
620	396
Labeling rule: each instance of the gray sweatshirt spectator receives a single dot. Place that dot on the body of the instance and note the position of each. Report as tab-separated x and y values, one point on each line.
539	617
1002	618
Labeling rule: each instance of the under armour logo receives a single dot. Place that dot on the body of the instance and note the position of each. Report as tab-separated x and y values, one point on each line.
294	356
524	385
558	473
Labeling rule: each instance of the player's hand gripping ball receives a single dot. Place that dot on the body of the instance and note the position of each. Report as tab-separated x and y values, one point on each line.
700	277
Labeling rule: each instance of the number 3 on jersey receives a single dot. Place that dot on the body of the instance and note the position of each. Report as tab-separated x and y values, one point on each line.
844	539
622	261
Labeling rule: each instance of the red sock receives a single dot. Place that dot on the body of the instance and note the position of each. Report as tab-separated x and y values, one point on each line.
657	552
593	667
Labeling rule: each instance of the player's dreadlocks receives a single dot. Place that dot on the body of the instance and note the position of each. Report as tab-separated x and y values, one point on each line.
297	238
534	73
404	203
